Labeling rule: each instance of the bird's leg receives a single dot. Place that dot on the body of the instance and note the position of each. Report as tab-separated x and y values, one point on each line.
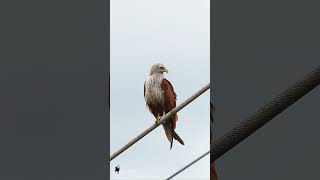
158	119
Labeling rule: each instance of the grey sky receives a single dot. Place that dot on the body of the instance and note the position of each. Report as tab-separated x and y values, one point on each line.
177	34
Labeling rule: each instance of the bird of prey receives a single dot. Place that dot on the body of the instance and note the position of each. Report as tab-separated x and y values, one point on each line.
160	99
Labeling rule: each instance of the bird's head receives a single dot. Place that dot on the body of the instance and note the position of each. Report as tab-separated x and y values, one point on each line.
158	68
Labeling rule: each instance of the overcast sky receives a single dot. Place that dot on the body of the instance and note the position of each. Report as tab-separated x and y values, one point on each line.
176	34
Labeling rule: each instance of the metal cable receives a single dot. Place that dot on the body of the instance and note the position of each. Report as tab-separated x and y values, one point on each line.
202	156
263	115
190	164
162	120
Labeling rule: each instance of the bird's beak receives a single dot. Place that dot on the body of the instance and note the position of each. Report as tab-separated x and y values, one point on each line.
166	70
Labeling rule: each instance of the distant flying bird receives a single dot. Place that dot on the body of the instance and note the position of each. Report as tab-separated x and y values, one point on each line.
161	99
117	169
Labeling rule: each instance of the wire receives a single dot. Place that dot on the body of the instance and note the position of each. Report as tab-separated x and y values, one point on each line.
193	162
263	115
162	120
190	164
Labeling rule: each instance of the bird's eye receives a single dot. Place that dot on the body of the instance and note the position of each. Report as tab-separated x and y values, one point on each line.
161	67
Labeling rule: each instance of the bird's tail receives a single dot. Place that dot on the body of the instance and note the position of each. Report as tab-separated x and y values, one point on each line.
177	137
171	134
168	130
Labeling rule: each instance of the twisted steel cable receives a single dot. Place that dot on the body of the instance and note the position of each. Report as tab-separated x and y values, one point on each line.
263	115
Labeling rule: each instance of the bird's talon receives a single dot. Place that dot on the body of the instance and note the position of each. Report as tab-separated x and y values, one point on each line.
158	119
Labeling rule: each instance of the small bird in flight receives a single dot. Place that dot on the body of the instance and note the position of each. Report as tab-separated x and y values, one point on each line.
161	99
117	169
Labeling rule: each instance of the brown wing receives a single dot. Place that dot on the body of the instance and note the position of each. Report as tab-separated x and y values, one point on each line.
169	95
169	98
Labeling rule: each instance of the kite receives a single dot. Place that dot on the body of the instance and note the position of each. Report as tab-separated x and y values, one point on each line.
160	99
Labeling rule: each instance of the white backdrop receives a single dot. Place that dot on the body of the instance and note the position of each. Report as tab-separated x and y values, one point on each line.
177	34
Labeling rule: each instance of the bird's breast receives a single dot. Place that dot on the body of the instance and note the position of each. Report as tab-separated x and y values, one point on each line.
154	92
